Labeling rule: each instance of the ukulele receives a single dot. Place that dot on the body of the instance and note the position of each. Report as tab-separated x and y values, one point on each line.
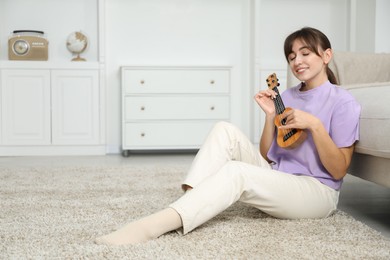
286	138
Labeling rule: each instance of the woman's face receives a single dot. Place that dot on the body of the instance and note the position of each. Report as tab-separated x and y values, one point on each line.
307	66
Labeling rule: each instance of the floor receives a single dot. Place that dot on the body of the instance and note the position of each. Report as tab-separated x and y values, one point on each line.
365	201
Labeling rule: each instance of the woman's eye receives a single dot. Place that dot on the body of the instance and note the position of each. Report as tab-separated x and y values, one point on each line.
291	58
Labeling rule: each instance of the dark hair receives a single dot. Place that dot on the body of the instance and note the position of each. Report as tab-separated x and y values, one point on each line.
314	39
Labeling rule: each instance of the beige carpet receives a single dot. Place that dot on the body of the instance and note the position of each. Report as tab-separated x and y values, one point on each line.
55	213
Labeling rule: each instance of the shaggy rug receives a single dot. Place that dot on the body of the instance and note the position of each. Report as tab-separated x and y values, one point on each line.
55	213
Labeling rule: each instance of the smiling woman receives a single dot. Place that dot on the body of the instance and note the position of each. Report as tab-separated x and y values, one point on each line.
285	183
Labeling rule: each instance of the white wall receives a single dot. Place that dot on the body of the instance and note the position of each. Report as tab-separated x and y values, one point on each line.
245	34
174	32
57	18
382	26
365	26
279	18
372	21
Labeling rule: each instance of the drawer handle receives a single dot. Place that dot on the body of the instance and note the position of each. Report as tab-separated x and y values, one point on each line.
142	108
212	82
142	134
212	108
142	82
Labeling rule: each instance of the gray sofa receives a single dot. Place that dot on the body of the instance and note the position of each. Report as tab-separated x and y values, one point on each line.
367	77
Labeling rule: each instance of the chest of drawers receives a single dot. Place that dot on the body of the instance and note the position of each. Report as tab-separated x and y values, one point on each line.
165	108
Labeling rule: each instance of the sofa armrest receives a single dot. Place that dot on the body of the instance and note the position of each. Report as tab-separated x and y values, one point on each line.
355	67
374	118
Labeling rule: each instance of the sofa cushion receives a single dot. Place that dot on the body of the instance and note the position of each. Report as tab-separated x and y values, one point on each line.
374	118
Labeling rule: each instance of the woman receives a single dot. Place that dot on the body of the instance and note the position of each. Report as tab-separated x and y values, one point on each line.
303	182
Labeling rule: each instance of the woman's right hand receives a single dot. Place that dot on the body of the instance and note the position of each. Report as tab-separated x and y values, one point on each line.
264	99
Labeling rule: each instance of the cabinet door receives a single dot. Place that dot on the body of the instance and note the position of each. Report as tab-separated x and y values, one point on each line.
25	107
75	107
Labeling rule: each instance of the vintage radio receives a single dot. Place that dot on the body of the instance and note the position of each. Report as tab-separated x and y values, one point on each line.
27	45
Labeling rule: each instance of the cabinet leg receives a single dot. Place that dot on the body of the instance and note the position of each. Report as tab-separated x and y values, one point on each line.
125	153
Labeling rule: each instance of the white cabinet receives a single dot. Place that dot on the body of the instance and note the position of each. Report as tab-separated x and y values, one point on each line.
50	111
75	107
53	107
25	107
172	107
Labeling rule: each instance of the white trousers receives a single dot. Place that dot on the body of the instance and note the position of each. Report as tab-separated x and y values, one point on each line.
228	168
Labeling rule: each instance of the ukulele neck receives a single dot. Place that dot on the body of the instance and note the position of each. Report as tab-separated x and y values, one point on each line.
279	106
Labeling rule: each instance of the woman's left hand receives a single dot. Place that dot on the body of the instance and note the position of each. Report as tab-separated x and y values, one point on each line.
298	119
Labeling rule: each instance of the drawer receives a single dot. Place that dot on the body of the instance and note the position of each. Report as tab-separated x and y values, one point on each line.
179	80
165	135
176	107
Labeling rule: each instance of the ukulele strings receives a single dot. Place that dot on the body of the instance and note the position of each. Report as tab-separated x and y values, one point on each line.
279	110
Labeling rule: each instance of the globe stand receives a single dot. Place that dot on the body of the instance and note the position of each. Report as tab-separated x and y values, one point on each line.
78	58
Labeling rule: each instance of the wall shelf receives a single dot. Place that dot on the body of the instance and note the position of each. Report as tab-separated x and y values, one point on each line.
48	65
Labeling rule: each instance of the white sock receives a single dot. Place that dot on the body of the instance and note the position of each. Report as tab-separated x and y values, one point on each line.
144	229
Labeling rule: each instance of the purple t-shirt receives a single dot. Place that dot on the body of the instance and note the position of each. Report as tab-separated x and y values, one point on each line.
339	113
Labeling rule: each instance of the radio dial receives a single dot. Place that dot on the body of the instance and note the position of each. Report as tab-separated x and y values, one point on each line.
21	47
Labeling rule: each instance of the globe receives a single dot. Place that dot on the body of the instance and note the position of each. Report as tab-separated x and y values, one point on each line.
77	43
